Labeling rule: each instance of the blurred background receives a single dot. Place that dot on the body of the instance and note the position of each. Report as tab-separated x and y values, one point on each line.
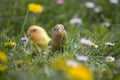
90	12
97	20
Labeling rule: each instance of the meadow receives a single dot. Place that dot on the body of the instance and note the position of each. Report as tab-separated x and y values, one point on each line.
93	44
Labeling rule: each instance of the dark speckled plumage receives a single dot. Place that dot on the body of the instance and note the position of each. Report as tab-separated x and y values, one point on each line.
59	38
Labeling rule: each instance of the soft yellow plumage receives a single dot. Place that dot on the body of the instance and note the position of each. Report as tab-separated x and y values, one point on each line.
38	36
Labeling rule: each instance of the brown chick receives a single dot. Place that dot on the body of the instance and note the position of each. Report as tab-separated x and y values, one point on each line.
38	36
59	38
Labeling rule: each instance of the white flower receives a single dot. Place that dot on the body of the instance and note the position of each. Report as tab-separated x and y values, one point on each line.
89	4
114	1
110	59
24	40
76	21
97	9
109	44
81	57
72	63
106	24
60	1
86	41
96	46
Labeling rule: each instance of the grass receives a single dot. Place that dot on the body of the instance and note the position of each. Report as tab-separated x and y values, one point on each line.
15	20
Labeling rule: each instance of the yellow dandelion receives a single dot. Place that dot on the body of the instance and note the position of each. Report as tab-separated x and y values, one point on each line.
3	57
3	68
20	63
6	44
79	72
35	8
12	44
59	63
9	44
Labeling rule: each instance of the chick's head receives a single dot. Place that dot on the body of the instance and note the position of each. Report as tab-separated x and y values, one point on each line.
36	33
58	29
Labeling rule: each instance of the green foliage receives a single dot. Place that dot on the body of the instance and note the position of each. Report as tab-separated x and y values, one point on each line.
15	20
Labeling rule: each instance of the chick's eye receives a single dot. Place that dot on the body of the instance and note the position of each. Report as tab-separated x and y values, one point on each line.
34	30
54	29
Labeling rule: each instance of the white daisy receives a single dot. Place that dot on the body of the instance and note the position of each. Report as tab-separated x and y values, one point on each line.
76	21
90	5
109	44
86	41
110	59
114	1
98	9
24	40
81	57
106	24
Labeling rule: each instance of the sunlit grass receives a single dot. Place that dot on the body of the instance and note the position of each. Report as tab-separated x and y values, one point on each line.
101	28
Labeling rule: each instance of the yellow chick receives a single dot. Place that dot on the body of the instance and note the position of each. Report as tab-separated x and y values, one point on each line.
59	38
38	36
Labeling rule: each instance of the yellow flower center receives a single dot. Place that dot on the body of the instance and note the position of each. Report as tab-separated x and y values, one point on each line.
109	58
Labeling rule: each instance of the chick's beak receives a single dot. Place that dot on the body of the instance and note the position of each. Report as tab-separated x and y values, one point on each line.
28	33
59	31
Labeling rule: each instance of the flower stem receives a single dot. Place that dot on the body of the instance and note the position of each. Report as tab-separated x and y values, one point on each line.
22	29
